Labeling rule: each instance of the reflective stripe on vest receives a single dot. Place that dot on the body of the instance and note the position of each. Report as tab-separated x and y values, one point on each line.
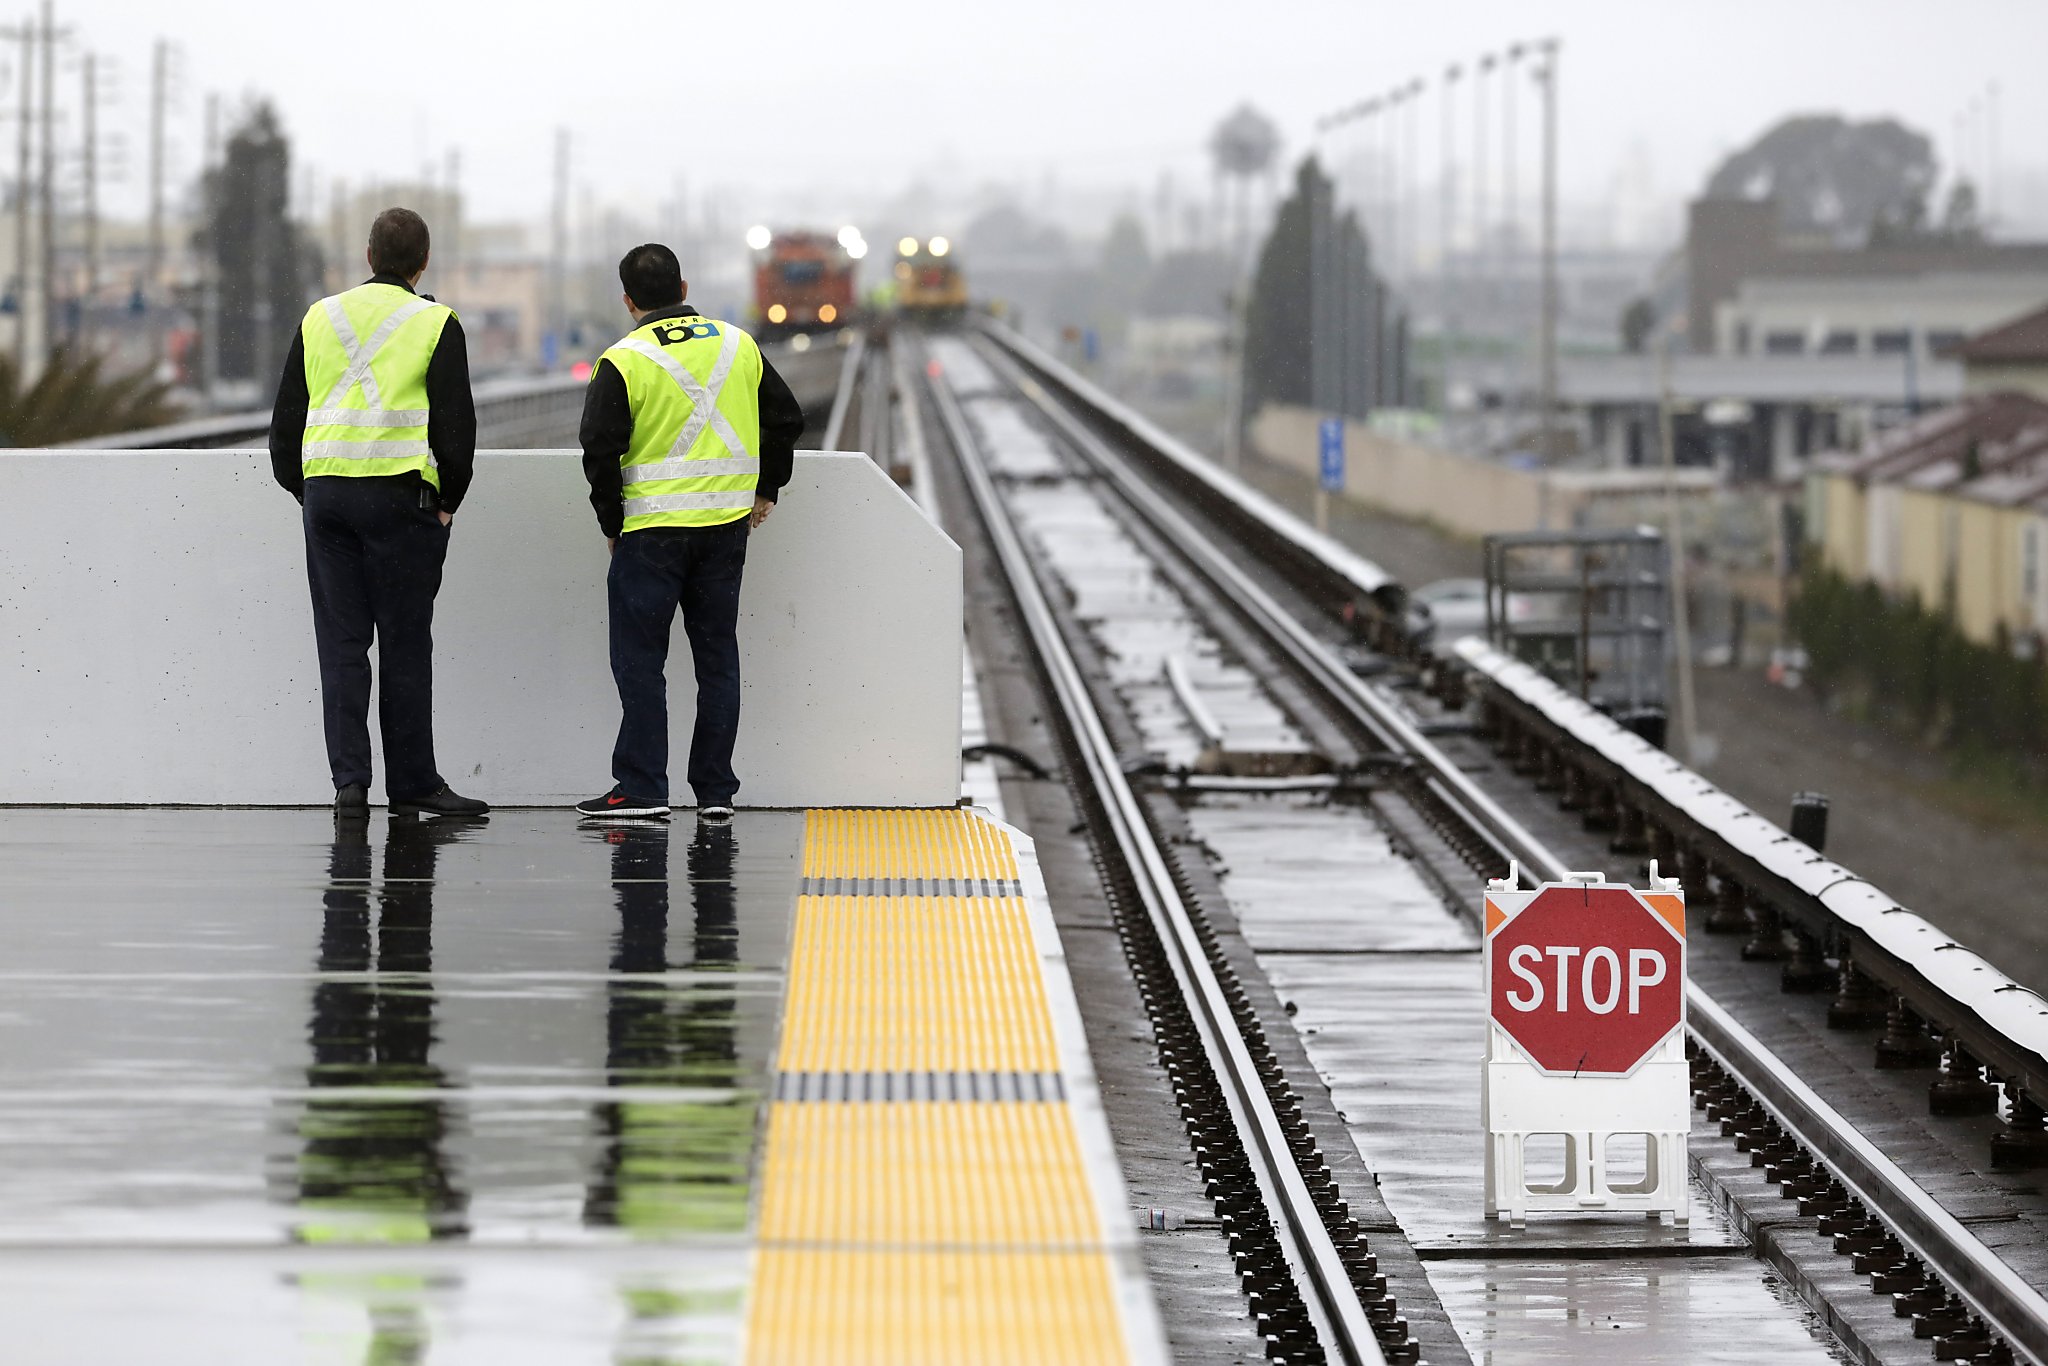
367	352
692	461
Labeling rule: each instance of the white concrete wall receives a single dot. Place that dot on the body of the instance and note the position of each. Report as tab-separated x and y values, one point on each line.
156	640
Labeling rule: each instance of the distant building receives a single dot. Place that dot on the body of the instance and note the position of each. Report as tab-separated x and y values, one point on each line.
1785	347
2009	358
1750	417
1751	292
1951	509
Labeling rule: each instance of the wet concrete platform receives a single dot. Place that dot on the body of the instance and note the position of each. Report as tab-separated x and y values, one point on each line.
276	1088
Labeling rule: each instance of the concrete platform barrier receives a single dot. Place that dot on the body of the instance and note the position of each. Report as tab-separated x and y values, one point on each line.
156	641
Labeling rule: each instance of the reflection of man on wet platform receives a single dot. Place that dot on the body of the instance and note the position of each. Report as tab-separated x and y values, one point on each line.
374	1167
672	1165
688	438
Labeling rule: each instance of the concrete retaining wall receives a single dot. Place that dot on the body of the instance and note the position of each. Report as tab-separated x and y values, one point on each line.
1465	495
156	640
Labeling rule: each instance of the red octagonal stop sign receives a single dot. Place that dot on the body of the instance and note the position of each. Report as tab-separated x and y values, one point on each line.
1588	980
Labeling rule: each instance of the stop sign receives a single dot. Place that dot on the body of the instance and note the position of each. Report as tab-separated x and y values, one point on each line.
1586	979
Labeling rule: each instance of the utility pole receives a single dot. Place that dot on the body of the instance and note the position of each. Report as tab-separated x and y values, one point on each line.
1510	211
48	189
1411	184
1390	177
92	184
558	250
451	255
209	265
27	351
1547	340
1478	261
1989	215
1321	332
337	231
1681	606
1447	232
153	277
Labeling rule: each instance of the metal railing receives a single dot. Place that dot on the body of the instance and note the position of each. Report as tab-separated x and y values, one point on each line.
539	410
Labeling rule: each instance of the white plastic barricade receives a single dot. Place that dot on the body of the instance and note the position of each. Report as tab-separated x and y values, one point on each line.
1585	1043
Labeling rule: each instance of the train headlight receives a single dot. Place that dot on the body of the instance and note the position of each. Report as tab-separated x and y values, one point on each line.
857	251
777	313
903	271
907	247
758	237
849	235
940	246
827	313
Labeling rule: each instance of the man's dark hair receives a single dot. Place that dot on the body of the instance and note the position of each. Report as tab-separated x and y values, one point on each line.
399	243
652	276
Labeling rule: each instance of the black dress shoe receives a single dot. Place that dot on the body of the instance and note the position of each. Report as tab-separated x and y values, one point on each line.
353	800
440	802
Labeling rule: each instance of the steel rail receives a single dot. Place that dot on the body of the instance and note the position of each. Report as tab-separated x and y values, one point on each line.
1377	716
2014	1309
843	396
1320	1272
2011	1307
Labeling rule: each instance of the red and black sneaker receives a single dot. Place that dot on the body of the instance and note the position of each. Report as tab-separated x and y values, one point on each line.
617	803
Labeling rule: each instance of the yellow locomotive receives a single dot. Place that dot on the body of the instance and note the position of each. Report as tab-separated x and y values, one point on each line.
929	284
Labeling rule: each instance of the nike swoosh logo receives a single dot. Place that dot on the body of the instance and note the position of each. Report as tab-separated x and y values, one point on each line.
614	801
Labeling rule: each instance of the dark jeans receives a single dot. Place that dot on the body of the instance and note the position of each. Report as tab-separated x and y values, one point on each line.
653	572
373	558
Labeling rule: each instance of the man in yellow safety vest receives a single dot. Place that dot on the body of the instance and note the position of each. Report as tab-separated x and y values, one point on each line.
688	438
374	432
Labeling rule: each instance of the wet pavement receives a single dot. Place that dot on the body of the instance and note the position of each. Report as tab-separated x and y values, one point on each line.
276	1088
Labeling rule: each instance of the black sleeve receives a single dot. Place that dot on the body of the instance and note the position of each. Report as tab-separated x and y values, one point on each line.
607	434
451	414
782	423
288	422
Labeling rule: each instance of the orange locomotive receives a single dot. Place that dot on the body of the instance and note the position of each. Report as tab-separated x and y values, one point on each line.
803	281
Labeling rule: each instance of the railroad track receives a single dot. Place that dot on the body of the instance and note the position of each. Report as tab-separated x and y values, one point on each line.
1301	1258
1970	1301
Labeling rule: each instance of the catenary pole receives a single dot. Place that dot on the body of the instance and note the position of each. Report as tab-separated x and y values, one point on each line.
1447	231
1547	342
25	348
47	189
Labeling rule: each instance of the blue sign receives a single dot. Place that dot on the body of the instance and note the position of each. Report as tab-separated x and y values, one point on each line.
1091	346
550	351
1332	464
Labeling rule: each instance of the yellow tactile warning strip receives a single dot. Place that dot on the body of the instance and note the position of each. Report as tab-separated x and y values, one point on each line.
924	1194
935	845
914	984
978	1172
891	1308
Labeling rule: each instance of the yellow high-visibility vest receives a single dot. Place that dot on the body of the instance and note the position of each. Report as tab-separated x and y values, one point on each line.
694	387
367	351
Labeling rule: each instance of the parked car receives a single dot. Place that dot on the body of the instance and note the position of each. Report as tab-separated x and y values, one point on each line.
1457	607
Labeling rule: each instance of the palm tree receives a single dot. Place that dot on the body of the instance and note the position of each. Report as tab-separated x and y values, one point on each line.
74	398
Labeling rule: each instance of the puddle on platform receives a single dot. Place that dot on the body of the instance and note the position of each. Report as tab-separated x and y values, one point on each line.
373	1080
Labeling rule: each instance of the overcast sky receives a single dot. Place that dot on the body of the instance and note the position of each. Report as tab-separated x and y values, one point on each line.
849	98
